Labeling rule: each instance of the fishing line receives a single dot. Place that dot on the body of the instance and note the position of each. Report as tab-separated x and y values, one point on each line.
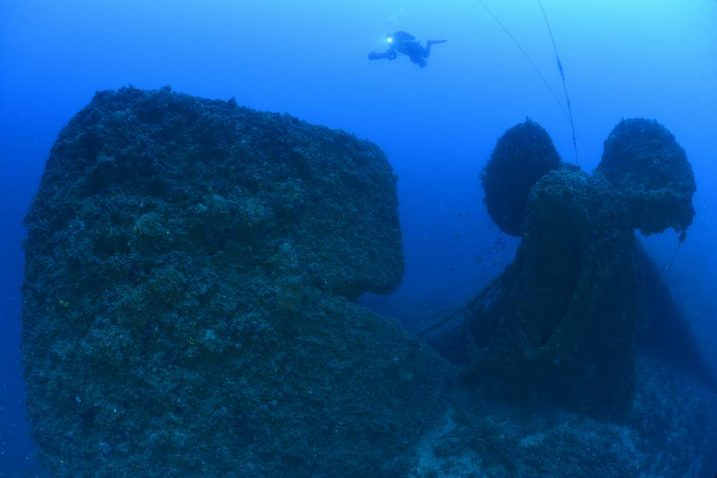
562	77
680	240
568	112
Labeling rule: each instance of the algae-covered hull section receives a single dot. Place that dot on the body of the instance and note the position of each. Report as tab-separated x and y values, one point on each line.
191	267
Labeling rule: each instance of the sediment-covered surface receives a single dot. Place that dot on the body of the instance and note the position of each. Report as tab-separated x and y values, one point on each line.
577	360
191	268
565	316
669	431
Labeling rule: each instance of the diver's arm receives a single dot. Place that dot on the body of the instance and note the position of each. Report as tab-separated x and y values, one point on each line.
389	55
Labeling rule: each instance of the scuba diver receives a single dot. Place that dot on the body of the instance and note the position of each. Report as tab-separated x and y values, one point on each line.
403	42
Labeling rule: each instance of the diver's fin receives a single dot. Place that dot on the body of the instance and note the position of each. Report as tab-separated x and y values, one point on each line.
435	42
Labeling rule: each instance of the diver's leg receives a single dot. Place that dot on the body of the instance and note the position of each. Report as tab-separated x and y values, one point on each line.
418	60
429	44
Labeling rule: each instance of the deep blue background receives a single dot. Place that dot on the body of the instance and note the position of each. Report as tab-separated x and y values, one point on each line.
652	58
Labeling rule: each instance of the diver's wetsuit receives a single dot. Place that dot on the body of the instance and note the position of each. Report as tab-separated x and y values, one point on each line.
402	42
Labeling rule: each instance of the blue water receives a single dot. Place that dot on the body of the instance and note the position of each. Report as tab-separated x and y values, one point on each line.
651	58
